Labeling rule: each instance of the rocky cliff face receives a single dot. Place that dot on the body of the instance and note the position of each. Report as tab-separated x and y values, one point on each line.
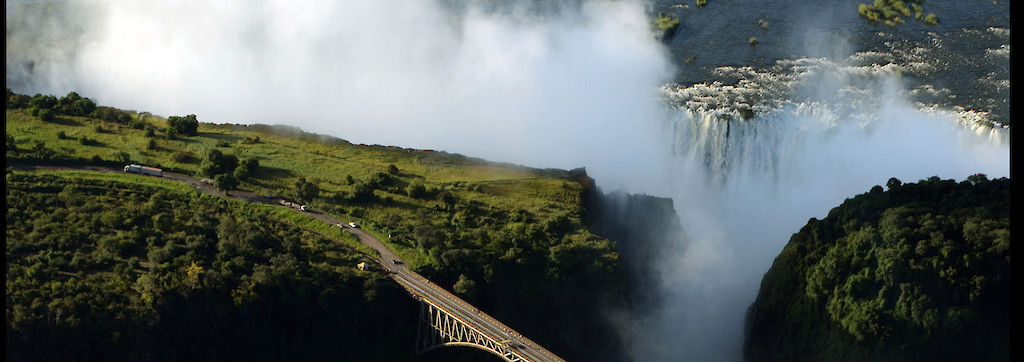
641	225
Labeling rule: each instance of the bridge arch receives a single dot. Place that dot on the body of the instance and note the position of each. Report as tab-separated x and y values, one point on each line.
440	328
473	346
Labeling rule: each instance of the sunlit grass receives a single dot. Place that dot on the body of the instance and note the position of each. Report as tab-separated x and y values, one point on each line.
286	154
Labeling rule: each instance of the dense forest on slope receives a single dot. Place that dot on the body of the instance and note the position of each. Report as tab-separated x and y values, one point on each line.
509	239
918	272
101	268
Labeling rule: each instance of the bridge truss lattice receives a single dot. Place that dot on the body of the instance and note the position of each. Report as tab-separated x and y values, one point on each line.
440	328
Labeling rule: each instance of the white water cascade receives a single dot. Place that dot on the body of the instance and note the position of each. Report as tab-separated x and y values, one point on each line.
743	187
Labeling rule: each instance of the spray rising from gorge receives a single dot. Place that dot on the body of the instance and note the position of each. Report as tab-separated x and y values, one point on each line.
562	86
743	187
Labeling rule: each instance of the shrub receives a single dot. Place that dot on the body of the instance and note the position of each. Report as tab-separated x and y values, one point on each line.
43	101
122	157
15	101
47	115
225	182
183	157
931	19
416	190
667	24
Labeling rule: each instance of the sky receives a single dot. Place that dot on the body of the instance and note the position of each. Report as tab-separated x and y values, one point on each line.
567	87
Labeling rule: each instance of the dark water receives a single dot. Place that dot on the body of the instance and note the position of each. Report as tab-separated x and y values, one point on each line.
961	62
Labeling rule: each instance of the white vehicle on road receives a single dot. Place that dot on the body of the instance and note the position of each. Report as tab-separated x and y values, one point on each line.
352	224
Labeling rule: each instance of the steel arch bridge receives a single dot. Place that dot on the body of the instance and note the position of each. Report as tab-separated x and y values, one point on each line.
440	328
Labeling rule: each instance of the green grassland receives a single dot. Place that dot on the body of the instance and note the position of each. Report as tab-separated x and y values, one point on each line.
285	154
513	236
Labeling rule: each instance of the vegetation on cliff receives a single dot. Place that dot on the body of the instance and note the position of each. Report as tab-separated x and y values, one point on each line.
103	267
665	25
919	272
889	12
507	238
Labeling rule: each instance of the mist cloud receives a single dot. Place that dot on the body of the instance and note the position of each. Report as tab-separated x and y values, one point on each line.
743	188
506	83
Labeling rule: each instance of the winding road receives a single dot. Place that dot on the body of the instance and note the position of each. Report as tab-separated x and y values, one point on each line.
389	261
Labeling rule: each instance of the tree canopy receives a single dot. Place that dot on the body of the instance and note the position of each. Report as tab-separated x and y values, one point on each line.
918	272
110	270
187	125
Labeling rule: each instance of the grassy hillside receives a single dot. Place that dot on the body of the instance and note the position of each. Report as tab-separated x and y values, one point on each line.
506	237
919	272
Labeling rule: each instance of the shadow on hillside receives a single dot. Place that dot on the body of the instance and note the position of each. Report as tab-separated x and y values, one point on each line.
271	173
66	121
228	138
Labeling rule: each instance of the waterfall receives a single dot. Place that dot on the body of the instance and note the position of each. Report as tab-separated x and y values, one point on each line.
743	184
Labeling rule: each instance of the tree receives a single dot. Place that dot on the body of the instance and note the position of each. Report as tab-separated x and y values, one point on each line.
82	107
225	182
217	162
47	115
73	104
187	125
306	191
362	193
242	172
416	190
43	101
246	168
447	198
977	178
69	99
392	169
465	287
15	101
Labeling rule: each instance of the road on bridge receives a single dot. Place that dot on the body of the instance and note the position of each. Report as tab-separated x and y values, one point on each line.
389	261
417	284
